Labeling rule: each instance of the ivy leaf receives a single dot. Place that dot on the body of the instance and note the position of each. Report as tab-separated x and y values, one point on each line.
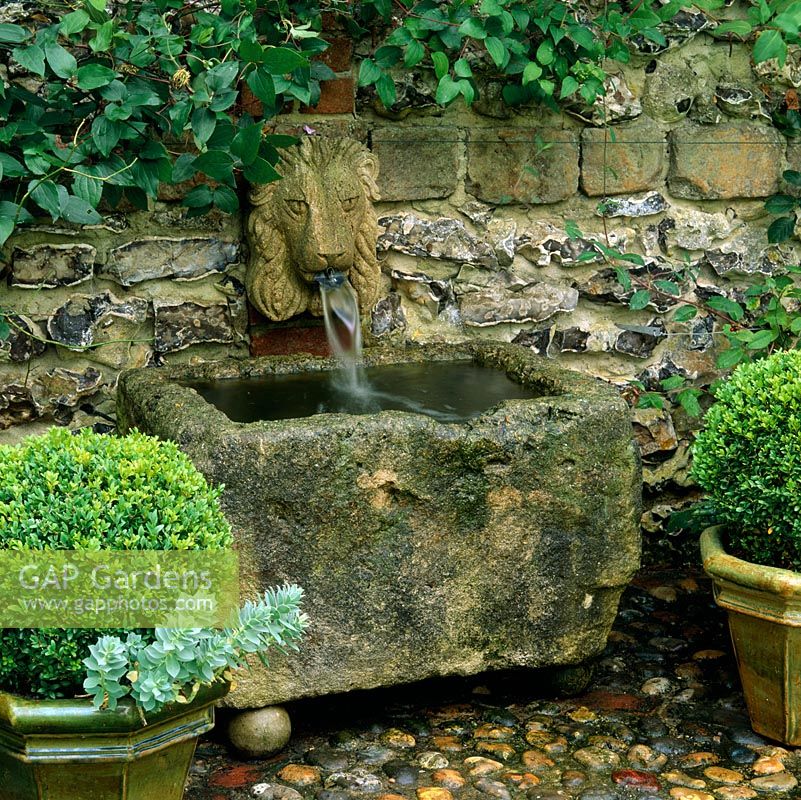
245	145
685	314
88	189
466	90
769	44
45	194
10	167
31	58
13	34
105	135
252	52
726	306
730	358
462	68
216	164
225	199
790	19
369	72
199	197
93	76
639	299
184	168
415	53
569	85
738	27
497	50
387	56
61	61
203	124
447	90
473	27
531	72
385	87
668	287
77	210
673	382
261	171
74	22
545	53
780	204
5	330
688	400
262	85
102	39
282	60
781	229
762	339
792	176
623	277
440	64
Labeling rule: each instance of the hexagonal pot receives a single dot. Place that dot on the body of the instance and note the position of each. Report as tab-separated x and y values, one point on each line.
764	608
65	750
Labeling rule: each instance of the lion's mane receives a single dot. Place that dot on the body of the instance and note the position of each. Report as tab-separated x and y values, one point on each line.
273	283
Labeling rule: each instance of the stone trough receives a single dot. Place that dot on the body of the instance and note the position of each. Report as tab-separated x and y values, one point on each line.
425	549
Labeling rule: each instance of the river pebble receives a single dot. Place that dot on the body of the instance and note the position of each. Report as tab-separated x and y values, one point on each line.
662	719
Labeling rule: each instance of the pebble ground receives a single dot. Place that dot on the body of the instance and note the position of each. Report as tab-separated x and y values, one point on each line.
662	717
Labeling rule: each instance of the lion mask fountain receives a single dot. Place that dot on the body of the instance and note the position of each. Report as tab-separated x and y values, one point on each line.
319	216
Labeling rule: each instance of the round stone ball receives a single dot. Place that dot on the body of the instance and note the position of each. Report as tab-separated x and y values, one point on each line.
260	731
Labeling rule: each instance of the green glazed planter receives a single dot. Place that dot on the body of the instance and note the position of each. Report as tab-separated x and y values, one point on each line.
764	608
65	750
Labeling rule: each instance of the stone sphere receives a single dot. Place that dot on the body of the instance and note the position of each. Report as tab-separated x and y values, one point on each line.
260	732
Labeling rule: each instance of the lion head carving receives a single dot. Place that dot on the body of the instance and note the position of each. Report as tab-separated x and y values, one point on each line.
319	216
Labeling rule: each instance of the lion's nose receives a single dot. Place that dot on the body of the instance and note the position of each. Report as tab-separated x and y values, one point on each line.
332	259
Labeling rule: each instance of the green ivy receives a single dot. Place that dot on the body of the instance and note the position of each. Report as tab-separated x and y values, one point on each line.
765	318
110	106
116	104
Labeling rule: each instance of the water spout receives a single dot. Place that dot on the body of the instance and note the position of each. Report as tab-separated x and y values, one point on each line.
344	332
341	315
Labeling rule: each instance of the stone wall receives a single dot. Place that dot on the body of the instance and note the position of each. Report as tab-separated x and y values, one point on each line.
474	212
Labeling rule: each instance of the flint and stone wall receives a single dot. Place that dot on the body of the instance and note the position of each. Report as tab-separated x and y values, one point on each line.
473	216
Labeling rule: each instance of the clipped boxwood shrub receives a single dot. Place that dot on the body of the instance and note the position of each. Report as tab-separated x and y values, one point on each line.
748	459
89	491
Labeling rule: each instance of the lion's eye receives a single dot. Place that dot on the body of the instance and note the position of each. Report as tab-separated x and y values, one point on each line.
297	207
349	203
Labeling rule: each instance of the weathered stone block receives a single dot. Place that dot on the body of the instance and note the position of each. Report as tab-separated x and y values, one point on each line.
24	340
533	303
65	387
644	206
417	163
17	405
444	238
742	159
424	549
519	166
46	266
78	323
180	325
623	159
188	259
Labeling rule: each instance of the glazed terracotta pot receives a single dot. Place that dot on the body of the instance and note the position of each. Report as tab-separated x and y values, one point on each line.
65	750
764	608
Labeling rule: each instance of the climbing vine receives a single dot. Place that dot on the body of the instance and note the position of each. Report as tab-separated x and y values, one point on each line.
102	103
